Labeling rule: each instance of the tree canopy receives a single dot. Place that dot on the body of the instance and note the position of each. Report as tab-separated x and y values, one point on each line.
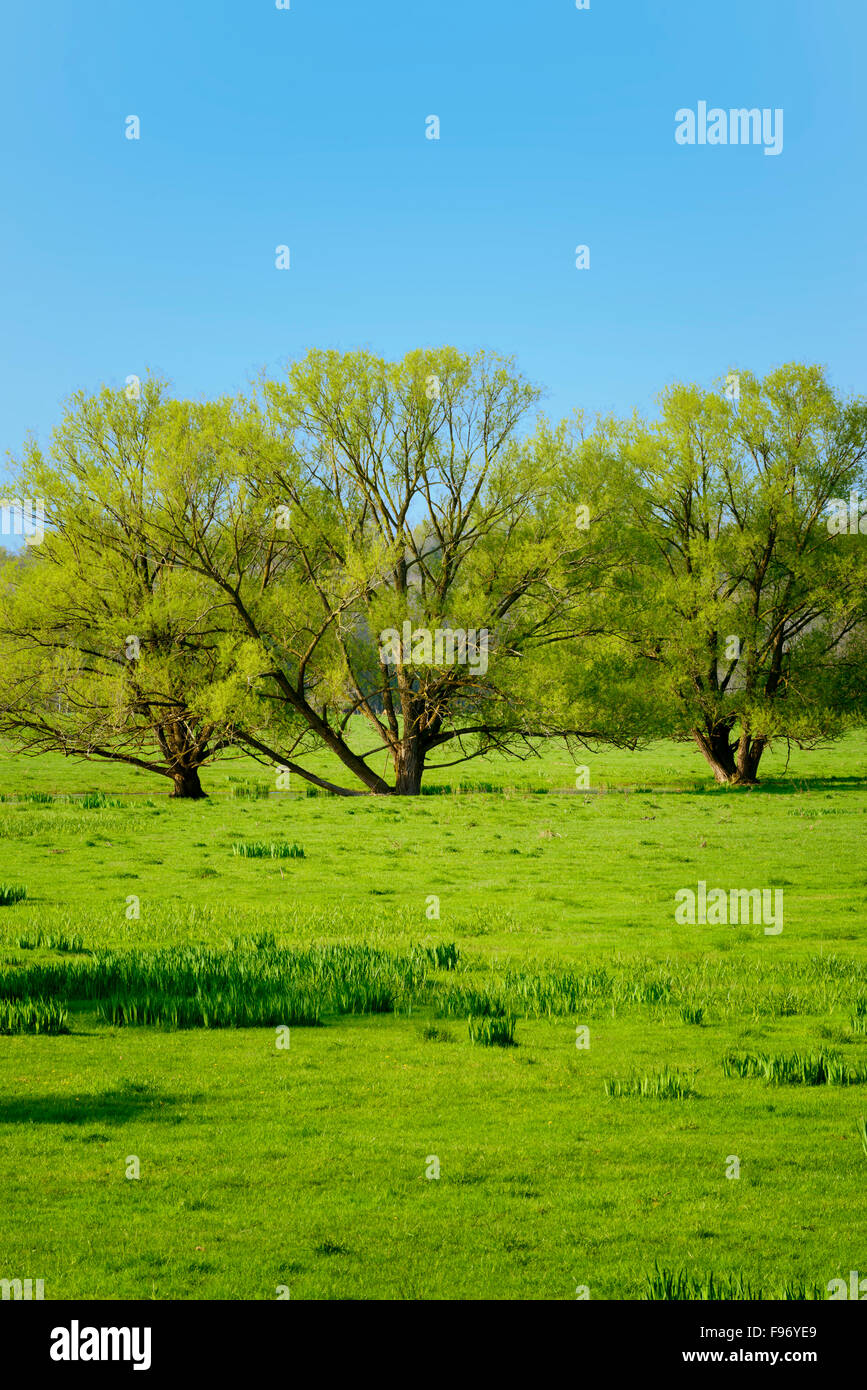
746	608
406	564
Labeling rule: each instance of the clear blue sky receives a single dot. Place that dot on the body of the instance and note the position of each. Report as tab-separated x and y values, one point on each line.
306	127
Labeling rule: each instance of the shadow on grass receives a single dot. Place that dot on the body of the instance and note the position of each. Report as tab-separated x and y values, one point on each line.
116	1105
789	785
775	786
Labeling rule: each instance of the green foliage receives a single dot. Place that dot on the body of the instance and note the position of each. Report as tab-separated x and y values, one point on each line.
260	849
492	1031
188	987
432	1033
230	1009
107	650
239	573
51	941
858	1021
443	957
746	609
683	1284
33	1016
252	791
11	893
96	801
799	1069
664	1085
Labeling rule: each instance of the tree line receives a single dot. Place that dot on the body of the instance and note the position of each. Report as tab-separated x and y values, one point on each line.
296	569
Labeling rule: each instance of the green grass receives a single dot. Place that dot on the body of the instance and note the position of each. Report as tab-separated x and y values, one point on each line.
230	1010
663	1085
95	801
260	849
181	964
692	1013
50	941
490	1031
669	1284
433	1033
32	1016
801	1069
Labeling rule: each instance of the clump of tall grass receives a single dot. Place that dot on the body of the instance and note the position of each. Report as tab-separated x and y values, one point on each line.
252	791
257	941
190	986
35	798
214	1010
11	893
443	957
262	849
555	994
692	1013
96	801
187	970
492	1031
465	1001
434	1034
51	941
33	1016
470	788
682	1284
858	1021
799	1291
824	1068
663	1085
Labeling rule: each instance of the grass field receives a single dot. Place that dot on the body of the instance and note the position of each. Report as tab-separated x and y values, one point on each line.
310	1168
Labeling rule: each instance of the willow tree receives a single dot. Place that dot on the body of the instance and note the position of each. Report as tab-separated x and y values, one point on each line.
399	560
107	650
746	606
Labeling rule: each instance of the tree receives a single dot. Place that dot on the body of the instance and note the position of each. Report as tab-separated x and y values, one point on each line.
106	650
395	557
749	612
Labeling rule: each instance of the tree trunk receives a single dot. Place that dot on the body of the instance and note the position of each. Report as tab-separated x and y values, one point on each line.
747	761
733	765
717	752
408	767
186	783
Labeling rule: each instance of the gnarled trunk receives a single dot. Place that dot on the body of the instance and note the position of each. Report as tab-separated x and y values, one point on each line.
747	759
186	783
717	752
732	764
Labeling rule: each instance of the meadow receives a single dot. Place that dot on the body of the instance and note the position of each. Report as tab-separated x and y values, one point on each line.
453	1046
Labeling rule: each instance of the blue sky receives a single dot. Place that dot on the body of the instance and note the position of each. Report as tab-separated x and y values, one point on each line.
306	127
